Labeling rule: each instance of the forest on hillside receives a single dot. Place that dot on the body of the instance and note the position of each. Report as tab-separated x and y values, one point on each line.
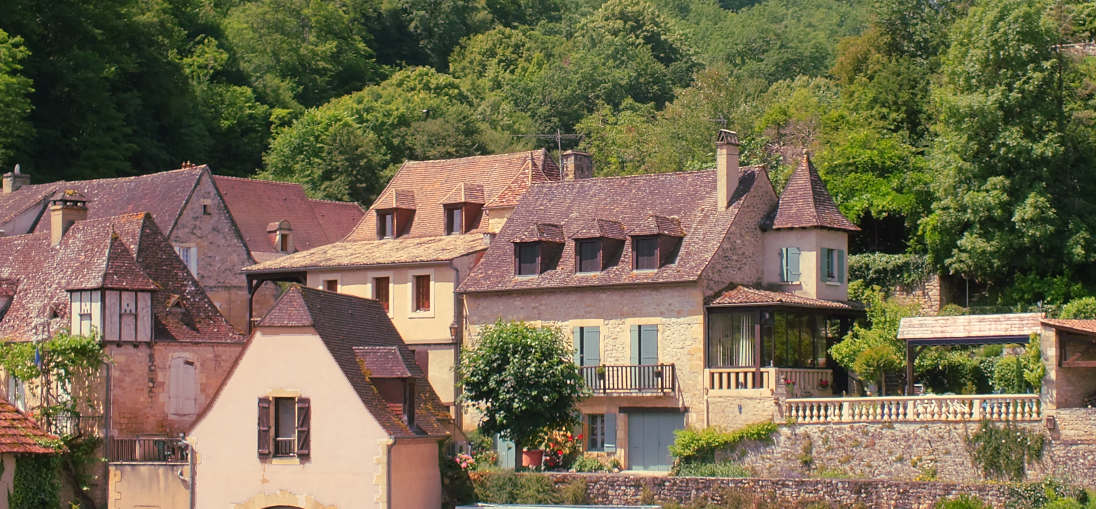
961	130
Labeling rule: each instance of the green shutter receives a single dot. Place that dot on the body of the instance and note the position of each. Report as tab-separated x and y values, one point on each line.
784	264
591	346
577	335
610	421
648	344
827	263
840	266
635	344
793	264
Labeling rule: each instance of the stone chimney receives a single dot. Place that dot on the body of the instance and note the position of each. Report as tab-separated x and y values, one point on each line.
576	165
726	166
65	209
15	179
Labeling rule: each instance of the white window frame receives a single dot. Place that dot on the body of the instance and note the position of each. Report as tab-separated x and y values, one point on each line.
411	311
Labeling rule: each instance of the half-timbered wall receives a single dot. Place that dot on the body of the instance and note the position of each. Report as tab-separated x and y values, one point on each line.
127	316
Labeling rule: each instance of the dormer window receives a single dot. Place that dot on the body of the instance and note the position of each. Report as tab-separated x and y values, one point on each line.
588	255
386	226
463	206
655	242
395	211
454	220
528	258
646	252
281	235
598	244
538	249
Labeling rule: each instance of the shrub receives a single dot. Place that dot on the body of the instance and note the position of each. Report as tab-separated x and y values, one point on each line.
574	493
1004	452
889	270
456	486
700	446
588	464
483	450
962	502
511	488
722	469
1085	307
1050	493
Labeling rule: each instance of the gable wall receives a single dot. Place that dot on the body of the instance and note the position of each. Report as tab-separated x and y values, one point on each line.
26	220
221	251
346	467
739	257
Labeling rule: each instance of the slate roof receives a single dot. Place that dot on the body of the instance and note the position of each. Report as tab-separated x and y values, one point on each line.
21	435
25	197
123	252
687	197
1073	325
970	326
746	296
375	252
599	228
254	204
431	184
345	324
805	203
658	225
382	361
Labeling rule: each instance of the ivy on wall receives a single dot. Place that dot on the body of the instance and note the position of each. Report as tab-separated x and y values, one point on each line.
888	271
1003	452
35	483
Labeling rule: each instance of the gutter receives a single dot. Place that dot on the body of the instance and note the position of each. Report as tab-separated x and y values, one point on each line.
349	267
458	337
387	473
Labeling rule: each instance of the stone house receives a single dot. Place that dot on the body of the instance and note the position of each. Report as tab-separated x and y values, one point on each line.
418	241
690	297
120	279
346	420
216	224
19	436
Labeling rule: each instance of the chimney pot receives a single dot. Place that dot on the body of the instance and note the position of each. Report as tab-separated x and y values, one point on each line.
65	209
15	179
576	165
726	166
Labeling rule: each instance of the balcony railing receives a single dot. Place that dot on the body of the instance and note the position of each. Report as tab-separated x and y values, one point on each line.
285	446
992	407
644	378
148	449
72	424
796	381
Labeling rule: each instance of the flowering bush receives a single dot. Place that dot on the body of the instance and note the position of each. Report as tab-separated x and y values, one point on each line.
823	384
789	381
466	462
560	449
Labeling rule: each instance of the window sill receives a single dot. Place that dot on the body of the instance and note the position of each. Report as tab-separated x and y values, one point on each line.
792	283
420	314
645	271
831	283
285	460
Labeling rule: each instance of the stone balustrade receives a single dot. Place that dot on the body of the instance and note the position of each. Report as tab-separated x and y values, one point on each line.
1003	407
796	380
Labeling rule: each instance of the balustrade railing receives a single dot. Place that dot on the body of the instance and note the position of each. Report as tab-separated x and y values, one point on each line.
73	424
285	446
729	379
1004	407
148	449
795	380
655	378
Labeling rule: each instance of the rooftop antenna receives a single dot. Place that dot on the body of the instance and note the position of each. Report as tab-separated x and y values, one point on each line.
558	136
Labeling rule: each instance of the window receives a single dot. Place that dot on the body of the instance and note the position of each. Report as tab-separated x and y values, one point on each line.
380	291
587	346
528	259
283	242
17	393
182	387
731	339
422	292
789	265
454	220
284	426
589	255
644	344
386	227
205	208
595	438
833	265
797	340
189	256
331	285
646	253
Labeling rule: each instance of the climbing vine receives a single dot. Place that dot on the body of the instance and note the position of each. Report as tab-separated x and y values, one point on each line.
1003	452
35	484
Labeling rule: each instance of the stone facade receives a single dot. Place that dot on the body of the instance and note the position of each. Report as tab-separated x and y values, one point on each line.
929	296
740	257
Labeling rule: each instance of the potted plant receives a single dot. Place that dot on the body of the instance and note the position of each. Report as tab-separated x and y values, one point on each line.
823	384
600	372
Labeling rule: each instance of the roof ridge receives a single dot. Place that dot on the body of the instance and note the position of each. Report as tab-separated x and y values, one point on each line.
752	167
196	168
262	181
480	156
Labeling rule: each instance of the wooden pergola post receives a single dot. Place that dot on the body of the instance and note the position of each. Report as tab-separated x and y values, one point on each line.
911	356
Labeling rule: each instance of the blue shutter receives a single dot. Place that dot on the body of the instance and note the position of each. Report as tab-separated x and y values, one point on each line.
648	344
784	264
840	266
591	346
610	422
793	264
635	345
577	336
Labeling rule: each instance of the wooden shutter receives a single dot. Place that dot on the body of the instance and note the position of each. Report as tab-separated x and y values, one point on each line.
635	344
304	418
576	335
784	264
591	346
648	344
422	293
264	426
610	421
793	264
840	266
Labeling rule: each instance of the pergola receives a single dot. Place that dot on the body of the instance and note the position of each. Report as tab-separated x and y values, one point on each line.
922	331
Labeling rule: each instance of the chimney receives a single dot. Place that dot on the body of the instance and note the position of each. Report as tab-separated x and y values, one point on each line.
15	179
576	165
726	166
65	208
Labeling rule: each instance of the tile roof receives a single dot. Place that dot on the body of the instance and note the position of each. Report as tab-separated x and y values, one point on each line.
540	232
1073	325
970	326
464	193
746	296
21	435
805	203
26	197
124	252
382	361
658	225
375	252
599	228
345	324
531	173
690	197
255	204
432	183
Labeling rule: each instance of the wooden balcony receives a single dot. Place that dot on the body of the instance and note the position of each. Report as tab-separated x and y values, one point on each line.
992	407
796	381
656	379
148	450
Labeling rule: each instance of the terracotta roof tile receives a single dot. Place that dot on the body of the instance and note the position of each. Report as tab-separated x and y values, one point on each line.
21	435
598	229
805	203
127	251
256	204
970	326
1073	325
375	252
26	197
464	193
658	225
345	323
531	173
382	361
746	296
433	181
690	197
540	232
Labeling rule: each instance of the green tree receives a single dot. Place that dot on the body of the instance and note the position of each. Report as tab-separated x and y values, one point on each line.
1083	308
437	26
15	89
874	350
523	381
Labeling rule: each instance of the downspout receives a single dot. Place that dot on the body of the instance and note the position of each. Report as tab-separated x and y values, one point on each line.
458	320
387	473
107	420
193	473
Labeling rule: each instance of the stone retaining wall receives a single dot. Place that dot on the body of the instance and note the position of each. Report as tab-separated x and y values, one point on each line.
636	489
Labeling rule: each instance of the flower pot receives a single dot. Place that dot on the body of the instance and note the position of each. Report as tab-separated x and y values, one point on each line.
532	458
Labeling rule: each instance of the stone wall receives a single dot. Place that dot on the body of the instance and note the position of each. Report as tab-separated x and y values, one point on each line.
929	296
630	489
